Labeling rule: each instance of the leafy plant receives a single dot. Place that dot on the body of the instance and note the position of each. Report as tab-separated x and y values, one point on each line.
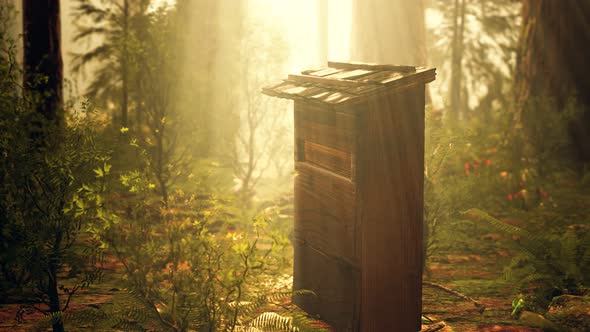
118	25
182	272
47	253
547	264
518	305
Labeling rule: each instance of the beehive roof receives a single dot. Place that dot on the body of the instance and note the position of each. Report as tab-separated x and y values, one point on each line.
343	83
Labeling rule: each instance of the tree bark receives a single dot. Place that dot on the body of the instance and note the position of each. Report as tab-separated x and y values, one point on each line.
52	284
42	56
456	87
553	61
124	66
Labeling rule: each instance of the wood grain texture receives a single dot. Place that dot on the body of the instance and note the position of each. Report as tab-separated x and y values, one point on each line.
325	214
336	286
359	208
369	66
331	129
391	171
328	158
346	84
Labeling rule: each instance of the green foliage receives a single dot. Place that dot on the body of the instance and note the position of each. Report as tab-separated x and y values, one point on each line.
44	219
120	33
462	170
47	253
548	264
518	305
542	143
183	272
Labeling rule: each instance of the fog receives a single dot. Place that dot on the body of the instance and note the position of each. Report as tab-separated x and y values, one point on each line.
294	165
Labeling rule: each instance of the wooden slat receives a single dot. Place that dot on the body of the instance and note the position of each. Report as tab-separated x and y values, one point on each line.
335	284
323	80
337	97
325	213
332	129
350	74
379	76
322	72
338	92
391	190
333	160
369	66
361	90
321	115
421	77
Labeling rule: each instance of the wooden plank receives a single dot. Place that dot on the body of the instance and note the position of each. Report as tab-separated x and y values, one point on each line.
328	225
328	187
337	97
326	127
370	66
322	72
391	192
324	80
296	90
335	283
312	91
322	115
341	92
331	159
361	90
350	74
379	76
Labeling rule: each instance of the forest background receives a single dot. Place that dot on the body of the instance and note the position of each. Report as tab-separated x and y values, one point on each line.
153	167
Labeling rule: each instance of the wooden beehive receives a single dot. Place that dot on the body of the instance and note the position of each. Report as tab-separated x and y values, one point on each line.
359	138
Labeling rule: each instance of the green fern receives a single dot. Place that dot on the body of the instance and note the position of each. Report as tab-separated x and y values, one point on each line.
272	320
553	262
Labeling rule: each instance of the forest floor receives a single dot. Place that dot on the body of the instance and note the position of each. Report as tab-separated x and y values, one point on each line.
477	275
473	266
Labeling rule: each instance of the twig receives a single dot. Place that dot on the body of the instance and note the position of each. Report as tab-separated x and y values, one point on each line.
480	307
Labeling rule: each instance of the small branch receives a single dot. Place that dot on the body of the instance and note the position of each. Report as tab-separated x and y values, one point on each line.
480	307
70	294
44	312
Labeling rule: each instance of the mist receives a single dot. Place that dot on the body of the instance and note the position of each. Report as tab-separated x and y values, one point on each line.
282	165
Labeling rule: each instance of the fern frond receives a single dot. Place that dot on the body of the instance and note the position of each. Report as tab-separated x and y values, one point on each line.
272	320
247	308
534	245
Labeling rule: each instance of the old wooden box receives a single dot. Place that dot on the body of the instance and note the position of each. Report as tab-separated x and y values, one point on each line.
359	137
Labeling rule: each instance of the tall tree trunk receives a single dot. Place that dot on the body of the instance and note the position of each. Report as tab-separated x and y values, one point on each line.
42	56
124	66
389	31
52	284
456	87
203	90
553	61
43	76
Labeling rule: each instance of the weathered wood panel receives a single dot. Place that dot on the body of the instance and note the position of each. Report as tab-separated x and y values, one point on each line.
328	158
326	138
332	129
336	285
390	179
359	134
325	215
